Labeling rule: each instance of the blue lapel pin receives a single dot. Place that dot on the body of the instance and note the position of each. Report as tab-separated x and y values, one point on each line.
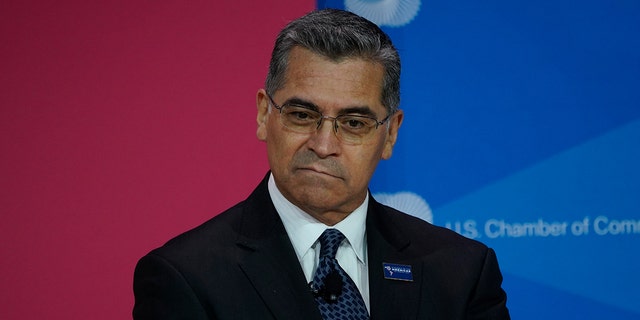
394	271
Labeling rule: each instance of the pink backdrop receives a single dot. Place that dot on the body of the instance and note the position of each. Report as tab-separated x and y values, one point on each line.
122	124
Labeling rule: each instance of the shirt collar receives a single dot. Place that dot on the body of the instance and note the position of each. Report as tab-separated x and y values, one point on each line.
304	230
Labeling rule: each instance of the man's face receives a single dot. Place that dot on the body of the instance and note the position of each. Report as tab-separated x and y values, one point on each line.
317	172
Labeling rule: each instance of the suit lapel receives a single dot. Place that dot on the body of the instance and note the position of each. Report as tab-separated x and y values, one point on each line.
268	259
386	241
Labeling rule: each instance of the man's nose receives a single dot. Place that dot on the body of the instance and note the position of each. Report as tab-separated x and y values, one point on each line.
324	141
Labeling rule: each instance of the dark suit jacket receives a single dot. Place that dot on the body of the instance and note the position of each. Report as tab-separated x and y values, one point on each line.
241	265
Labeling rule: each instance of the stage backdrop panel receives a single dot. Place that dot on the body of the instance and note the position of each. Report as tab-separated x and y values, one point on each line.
522	130
122	124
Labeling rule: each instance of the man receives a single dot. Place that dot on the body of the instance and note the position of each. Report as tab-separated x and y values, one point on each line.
328	114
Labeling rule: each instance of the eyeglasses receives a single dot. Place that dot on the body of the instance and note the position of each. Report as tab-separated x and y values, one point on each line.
350	129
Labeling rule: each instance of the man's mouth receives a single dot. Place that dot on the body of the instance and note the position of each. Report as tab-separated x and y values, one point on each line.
320	171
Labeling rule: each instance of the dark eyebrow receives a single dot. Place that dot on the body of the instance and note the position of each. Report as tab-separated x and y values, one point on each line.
359	110
363	111
294	101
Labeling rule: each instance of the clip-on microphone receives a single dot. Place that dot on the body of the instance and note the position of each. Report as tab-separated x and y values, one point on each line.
331	289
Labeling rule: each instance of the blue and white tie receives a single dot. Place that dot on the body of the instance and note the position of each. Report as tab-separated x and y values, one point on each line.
334	291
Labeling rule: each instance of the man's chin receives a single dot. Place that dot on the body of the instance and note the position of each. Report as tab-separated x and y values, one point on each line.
316	198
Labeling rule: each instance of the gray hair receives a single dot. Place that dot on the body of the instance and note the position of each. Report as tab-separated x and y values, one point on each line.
338	34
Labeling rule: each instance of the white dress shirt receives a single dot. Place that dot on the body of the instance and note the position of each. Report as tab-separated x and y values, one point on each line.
304	231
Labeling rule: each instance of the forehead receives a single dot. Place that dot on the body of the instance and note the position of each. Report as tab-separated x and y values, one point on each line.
333	85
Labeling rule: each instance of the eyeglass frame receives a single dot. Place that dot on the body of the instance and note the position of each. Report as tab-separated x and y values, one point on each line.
323	117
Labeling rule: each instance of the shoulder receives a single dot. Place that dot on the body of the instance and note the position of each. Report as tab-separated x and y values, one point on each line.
217	235
220	234
423	236
449	260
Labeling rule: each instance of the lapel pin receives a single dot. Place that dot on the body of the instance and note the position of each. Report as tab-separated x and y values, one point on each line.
394	271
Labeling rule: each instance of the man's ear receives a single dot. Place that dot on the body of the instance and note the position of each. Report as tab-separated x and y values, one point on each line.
262	102
394	125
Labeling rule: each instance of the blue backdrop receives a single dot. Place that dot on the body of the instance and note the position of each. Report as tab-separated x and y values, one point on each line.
522	130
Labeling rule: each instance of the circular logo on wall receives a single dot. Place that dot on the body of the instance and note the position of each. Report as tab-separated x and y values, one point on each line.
407	202
393	13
